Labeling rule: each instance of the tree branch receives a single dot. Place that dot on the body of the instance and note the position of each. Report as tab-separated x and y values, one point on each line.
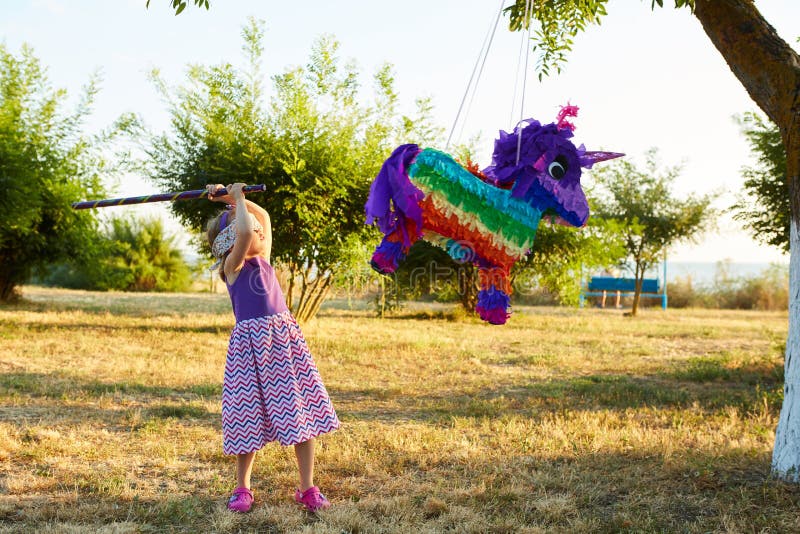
767	67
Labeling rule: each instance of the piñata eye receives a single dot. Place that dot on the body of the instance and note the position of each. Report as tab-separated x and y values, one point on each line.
558	168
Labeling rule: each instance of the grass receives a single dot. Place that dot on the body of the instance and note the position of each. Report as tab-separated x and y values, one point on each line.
561	421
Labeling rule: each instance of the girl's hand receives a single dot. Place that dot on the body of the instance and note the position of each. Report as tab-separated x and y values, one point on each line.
213	188
235	190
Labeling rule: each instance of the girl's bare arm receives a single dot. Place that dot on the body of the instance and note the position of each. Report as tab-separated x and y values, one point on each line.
245	233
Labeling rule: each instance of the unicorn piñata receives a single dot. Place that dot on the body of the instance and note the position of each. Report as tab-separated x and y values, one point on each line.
488	218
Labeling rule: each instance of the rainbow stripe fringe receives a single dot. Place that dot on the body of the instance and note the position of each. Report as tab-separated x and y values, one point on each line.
427	194
473	208
484	225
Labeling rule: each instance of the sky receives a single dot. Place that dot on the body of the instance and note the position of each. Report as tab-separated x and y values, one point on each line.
642	79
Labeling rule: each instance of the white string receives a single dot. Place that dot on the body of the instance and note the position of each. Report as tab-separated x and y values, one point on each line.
528	13
480	72
516	80
484	52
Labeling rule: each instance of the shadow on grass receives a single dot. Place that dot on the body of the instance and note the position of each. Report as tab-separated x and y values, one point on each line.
62	386
712	388
637	491
126	304
721	368
451	315
102	326
747	390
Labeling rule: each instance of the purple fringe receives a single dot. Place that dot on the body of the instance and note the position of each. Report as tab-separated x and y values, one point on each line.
493	305
537	141
541	144
393	198
387	257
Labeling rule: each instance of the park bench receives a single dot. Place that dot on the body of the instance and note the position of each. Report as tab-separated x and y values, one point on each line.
601	286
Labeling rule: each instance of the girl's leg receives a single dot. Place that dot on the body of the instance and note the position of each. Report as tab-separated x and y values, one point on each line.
312	499
244	467
305	463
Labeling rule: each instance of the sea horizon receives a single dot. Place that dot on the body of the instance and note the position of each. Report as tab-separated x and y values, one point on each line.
704	272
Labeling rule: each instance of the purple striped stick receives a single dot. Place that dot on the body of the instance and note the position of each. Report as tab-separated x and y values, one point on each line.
159	197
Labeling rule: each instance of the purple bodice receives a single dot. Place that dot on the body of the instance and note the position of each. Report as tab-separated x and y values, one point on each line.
256	292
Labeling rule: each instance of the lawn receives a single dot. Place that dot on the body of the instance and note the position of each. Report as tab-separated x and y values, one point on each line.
563	420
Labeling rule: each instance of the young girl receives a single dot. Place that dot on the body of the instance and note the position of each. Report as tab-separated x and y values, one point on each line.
272	390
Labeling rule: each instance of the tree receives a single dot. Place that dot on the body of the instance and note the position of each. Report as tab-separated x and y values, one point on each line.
145	254
769	70
649	217
131	254
46	163
317	146
561	255
763	205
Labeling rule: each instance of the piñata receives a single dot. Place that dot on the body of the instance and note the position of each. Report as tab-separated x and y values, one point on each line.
488	218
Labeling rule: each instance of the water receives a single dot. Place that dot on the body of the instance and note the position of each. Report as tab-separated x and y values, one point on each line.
703	273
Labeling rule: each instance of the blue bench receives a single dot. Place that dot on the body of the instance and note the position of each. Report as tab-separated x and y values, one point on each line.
600	286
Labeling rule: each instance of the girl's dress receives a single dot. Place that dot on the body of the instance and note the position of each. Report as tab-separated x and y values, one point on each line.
272	390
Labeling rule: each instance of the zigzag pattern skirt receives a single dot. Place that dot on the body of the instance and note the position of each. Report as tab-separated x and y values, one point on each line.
272	390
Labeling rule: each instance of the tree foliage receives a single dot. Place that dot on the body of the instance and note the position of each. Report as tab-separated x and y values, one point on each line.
317	145
558	22
557	25
650	218
145	256
561	255
763	205
46	163
180	5
131	254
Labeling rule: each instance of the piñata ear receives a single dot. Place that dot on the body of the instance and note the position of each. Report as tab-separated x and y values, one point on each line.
590	158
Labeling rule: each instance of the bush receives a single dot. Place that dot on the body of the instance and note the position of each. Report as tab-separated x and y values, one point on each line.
769	290
685	293
134	254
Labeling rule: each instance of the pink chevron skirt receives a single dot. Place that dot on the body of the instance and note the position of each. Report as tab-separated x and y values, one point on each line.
272	390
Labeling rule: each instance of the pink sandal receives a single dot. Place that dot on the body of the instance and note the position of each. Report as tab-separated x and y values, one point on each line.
241	500
312	499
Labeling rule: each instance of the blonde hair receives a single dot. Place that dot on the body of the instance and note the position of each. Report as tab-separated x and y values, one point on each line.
212	231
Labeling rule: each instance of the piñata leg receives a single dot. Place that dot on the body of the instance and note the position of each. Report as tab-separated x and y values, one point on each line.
494	302
388	255
393	249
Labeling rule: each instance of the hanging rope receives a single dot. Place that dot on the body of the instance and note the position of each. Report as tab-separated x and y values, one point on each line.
481	61
528	12
516	81
480	72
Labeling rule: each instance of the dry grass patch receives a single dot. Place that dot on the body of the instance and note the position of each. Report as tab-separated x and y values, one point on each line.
560	421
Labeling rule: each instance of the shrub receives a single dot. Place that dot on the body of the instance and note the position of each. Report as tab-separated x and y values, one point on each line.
768	290
133	254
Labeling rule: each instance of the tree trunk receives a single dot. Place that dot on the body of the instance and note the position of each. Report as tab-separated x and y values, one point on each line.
9	283
468	284
637	289
382	298
292	274
769	69
8	292
786	454
313	294
322	287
